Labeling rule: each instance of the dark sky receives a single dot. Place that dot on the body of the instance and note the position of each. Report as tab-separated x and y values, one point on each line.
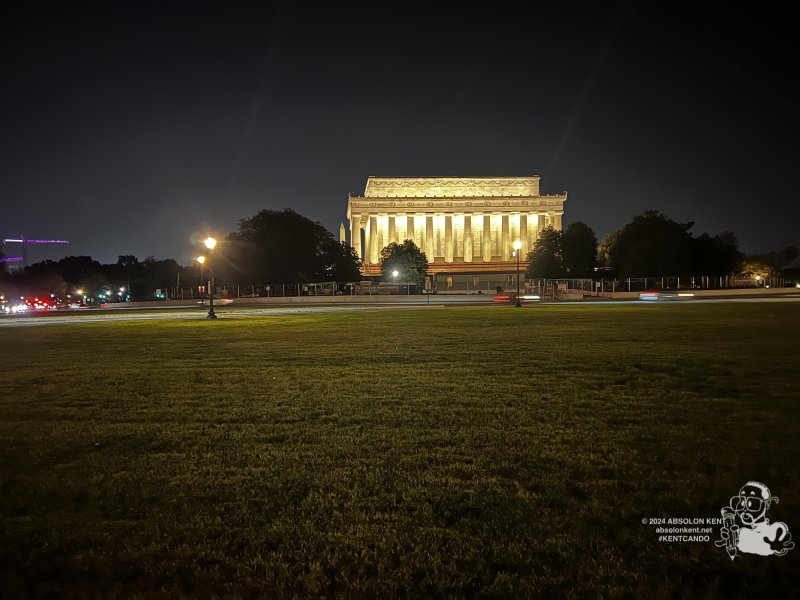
130	127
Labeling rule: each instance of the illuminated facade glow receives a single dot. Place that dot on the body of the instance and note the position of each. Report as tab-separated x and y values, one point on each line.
463	224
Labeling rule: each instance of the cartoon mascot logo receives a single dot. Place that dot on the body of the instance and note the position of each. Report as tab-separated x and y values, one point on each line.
745	527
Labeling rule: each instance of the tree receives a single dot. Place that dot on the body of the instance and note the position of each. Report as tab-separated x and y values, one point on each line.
341	263
753	266
579	249
283	246
780	259
770	264
160	273
76	269
131	274
715	256
604	249
652	244
407	259
545	260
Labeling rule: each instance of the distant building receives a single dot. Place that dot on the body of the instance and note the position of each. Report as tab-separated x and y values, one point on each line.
465	225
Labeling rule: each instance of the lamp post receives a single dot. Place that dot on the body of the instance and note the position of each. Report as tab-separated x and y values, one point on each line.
201	259
210	243
517	247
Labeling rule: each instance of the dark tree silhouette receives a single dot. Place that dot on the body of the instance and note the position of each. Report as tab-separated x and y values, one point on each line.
579	250
715	256
545	259
652	244
283	246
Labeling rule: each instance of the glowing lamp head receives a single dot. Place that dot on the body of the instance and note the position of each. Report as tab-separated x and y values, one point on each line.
395	273
210	243
517	245
201	259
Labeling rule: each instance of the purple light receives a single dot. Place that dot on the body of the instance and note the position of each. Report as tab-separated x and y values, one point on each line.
11	259
18	241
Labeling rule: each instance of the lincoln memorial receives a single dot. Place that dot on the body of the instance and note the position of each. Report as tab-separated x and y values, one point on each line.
465	225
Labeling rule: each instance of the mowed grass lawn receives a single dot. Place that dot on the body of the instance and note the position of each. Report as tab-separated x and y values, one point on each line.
436	452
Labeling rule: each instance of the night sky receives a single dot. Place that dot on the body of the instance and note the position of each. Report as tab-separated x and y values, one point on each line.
129	129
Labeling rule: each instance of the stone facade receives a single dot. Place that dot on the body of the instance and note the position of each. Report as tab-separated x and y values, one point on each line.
463	224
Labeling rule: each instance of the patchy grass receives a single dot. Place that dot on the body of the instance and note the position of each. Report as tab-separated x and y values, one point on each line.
462	452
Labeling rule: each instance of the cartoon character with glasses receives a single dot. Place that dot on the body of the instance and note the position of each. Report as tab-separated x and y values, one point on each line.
745	527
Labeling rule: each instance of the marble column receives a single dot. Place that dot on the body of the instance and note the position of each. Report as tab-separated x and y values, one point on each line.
429	238
534	227
467	238
410	228
355	235
448	238
505	242
557	222
392	231
367	253
523	235
487	238
374	242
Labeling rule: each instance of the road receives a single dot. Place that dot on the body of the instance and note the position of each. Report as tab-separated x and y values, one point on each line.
233	312
154	314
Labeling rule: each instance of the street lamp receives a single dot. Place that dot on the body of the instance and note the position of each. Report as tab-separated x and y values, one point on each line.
210	243
201	259
517	247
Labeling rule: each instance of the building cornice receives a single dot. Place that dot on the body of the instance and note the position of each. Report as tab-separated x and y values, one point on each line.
550	202
426	187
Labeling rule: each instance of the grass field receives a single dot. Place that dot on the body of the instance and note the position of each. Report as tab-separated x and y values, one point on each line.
458	452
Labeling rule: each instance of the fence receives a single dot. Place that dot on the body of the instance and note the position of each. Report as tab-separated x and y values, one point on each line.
543	287
639	284
282	290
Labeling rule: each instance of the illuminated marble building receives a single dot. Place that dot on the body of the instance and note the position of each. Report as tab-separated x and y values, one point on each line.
465	225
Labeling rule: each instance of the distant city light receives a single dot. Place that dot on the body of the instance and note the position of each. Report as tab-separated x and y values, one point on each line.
25	241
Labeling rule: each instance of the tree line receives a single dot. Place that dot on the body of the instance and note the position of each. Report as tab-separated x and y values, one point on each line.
650	245
278	246
282	246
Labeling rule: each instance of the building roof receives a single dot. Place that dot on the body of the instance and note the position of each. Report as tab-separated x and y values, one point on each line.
439	187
